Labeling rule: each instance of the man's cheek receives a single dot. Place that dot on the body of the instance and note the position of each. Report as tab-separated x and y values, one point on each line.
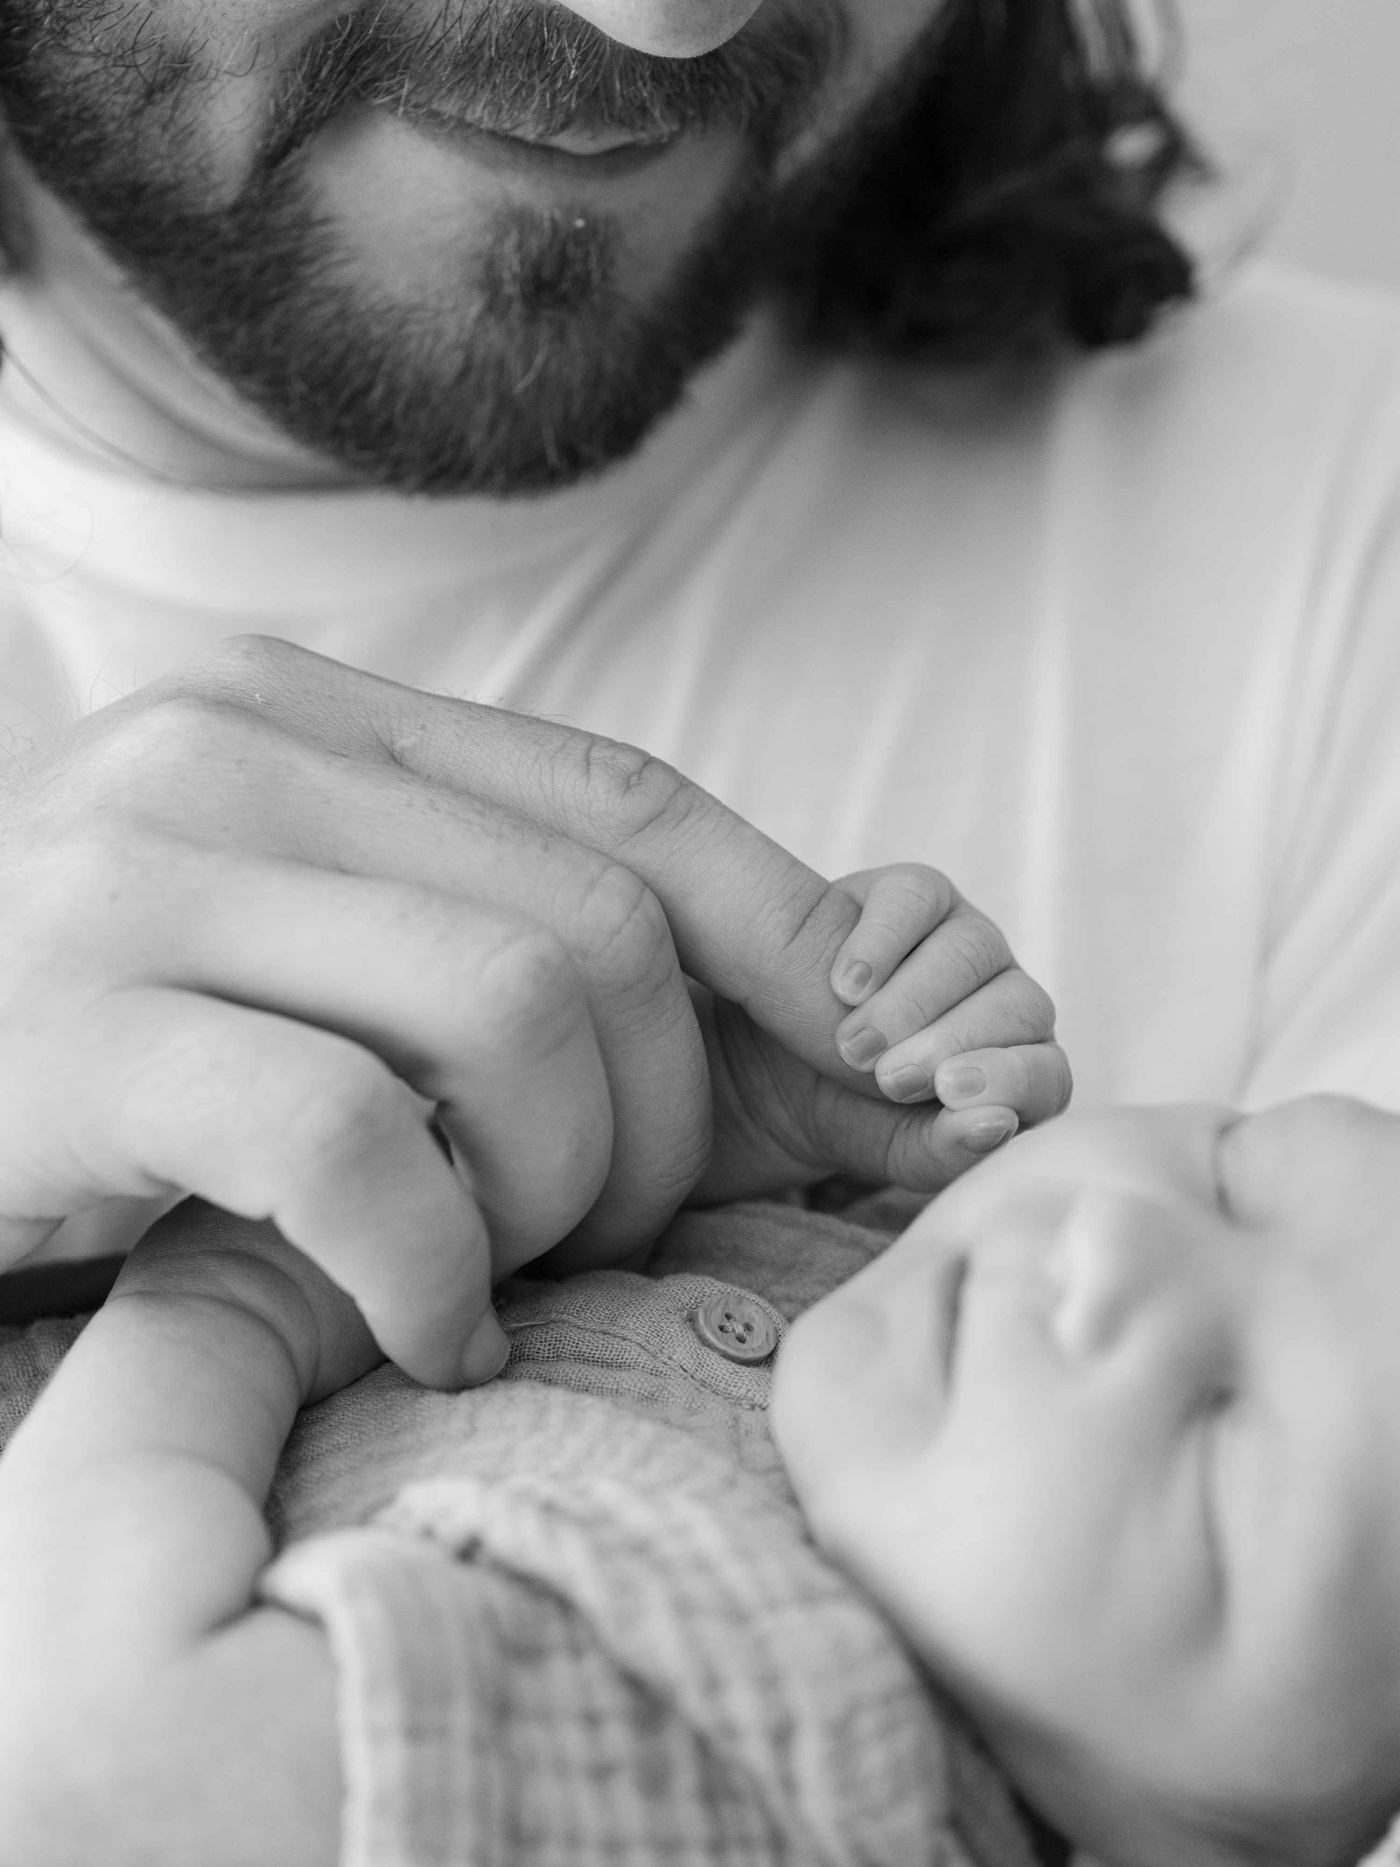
224	65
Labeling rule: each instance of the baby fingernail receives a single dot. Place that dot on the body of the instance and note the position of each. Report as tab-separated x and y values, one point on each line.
487	1351
903	1085
962	1082
982	1136
862	1047
855	978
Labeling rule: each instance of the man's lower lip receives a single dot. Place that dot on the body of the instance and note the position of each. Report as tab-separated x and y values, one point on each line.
493	146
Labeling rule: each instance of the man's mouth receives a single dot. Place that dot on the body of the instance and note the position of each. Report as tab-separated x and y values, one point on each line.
600	146
578	141
529	80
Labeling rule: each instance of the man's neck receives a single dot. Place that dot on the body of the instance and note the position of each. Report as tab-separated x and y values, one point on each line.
88	360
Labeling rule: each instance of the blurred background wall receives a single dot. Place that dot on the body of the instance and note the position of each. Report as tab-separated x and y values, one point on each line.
1316	83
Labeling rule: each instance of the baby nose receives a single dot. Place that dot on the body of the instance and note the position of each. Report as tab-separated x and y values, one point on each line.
1110	1264
667	28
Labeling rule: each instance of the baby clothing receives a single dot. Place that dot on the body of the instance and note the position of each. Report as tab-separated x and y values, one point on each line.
576	1616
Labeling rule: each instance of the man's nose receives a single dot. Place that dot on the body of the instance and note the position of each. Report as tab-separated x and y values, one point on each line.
1117	1261
667	28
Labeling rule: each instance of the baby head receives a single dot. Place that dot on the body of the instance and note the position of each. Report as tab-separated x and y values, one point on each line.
1113	1435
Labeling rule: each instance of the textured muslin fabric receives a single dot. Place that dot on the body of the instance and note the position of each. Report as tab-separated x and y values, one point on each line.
576	1615
28	1356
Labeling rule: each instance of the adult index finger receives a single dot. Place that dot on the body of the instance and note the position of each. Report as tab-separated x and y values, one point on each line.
749	920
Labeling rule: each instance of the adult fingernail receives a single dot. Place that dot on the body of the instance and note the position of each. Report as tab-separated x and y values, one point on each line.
903	1085
855	978
982	1136
486	1353
961	1082
864	1046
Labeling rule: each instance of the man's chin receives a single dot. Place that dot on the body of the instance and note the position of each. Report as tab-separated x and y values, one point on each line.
540	370
415	276
527	408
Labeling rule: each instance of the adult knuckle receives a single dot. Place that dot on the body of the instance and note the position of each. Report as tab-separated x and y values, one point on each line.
621	929
242	666
176	728
628	791
144	759
157	751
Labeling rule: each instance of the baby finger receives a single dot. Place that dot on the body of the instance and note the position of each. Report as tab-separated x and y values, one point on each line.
978	1131
949	973
1008	1011
1031	1079
900	906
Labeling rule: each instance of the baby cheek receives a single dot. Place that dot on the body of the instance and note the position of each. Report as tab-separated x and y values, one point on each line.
820	1366
839	1422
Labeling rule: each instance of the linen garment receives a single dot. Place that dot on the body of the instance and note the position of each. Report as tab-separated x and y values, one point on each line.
576	1617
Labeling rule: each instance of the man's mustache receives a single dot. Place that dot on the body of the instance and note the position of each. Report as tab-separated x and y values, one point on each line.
531	67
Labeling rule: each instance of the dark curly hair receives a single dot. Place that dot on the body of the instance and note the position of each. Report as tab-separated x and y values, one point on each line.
1010	200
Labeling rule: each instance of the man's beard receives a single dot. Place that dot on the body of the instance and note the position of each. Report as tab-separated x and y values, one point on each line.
536	368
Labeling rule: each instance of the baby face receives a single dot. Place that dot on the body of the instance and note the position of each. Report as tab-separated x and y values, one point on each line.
1113	1434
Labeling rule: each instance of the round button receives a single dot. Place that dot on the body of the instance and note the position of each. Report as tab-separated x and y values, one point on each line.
735	1326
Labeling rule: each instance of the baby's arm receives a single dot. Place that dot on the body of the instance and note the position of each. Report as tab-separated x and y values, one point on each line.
151	1711
939	1015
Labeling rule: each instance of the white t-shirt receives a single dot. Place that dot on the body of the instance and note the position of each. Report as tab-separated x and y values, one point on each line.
1119	649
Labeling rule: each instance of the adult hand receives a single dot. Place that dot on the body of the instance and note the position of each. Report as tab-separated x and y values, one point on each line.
256	919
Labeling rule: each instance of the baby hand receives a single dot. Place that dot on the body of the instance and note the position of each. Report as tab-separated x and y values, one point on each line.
942	1009
199	1256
